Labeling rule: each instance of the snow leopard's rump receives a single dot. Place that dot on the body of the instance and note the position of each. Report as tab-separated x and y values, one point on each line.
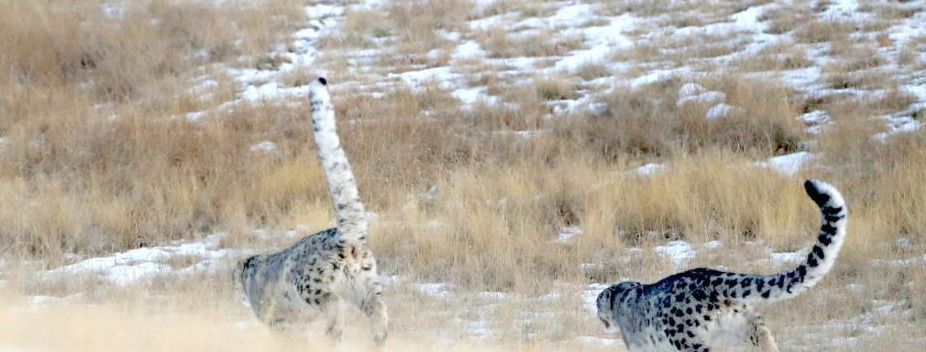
348	210
792	282
306	270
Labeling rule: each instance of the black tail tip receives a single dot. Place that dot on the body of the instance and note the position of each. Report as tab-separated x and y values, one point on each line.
323	81
816	193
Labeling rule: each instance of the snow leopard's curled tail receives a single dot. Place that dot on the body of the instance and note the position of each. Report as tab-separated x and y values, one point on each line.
817	264
348	210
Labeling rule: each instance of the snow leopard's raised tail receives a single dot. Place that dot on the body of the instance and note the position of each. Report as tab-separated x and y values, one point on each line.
817	264
348	210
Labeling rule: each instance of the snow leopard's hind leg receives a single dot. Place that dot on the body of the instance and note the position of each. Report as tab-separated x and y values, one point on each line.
374	308
760	337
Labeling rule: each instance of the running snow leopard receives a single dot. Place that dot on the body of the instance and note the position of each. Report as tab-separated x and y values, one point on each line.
320	272
701	310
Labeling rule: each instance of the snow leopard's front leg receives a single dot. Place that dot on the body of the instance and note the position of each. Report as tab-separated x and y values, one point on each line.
333	323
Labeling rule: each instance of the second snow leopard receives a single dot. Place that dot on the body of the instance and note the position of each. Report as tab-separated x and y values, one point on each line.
315	276
701	310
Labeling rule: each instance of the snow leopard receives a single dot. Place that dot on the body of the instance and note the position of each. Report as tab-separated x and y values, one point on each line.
703	310
314	277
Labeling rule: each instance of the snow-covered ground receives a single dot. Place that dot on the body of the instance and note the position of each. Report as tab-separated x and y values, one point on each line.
141	264
604	35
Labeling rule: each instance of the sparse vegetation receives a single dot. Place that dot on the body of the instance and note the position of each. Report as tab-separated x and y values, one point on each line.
98	154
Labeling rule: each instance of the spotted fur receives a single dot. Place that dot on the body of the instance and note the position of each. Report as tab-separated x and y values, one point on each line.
703	309
322	271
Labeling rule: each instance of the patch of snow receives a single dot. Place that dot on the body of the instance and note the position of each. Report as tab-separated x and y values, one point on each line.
650	169
140	264
448	36
493	295
478	329
575	61
901	262
480	6
114	11
270	91
598	341
680	252
468	50
917	90
439	290
568	233
749	19
897	125
780	258
788	164
40	299
689	90
571	16
722	110
843	7
488	22
323	10
471	96
653	77
265	146
205	84
123	275
815	119
306	33
706	97
804	77
713	245
885	308
392	280
416	80
195	116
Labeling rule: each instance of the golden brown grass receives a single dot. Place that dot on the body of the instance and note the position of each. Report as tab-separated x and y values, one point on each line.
824	30
776	57
97	158
501	44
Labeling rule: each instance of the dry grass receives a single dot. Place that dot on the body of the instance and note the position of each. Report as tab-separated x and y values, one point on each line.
647	122
787	18
589	71
776	57
824	30
501	44
417	32
96	157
